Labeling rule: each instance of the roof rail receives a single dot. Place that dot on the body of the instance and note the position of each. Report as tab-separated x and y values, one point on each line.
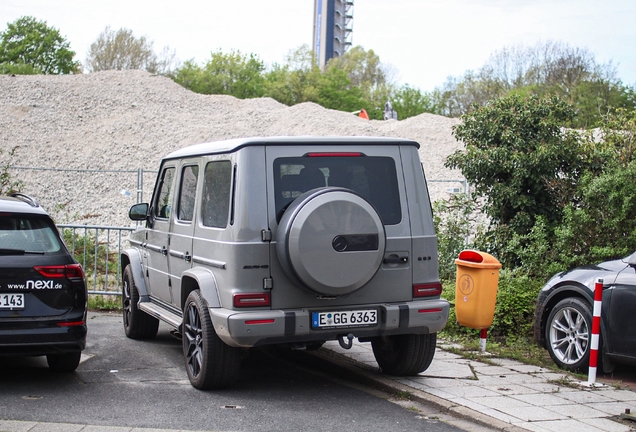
27	199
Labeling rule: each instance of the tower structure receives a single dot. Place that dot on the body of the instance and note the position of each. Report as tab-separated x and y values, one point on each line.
333	22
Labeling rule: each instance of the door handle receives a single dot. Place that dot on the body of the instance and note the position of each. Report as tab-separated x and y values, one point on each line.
394	259
187	257
164	251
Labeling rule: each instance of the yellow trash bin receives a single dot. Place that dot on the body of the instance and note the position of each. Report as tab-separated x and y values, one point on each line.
476	288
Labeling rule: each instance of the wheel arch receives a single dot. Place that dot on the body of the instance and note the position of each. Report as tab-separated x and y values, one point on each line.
202	279
131	257
564	291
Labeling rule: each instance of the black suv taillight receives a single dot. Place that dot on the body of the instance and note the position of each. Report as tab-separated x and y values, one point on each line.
69	271
427	290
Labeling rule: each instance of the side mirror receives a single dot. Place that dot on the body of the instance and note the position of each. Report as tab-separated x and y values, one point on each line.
631	261
138	212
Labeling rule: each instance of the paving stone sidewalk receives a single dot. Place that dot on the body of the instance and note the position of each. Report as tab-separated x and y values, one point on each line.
504	394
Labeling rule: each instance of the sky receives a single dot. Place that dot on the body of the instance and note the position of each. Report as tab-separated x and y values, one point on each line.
422	41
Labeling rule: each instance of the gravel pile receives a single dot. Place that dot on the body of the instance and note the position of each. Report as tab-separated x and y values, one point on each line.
127	120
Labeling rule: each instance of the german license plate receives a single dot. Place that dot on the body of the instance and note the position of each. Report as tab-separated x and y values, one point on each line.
344	319
11	301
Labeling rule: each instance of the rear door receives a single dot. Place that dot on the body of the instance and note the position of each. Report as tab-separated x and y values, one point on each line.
158	239
373	172
182	222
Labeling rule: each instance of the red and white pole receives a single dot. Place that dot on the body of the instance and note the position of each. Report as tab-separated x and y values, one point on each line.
596	330
483	333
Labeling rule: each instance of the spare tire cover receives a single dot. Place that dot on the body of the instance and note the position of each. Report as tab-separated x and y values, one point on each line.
331	240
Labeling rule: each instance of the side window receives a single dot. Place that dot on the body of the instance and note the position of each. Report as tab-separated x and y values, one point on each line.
188	192
164	196
215	205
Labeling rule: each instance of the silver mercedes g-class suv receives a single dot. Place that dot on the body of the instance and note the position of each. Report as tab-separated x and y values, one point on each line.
288	240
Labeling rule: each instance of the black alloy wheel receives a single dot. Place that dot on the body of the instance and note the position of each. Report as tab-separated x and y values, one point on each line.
137	323
210	363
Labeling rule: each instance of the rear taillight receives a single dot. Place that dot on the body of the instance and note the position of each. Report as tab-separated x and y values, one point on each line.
259	322
251	300
71	323
68	271
429	310
427	290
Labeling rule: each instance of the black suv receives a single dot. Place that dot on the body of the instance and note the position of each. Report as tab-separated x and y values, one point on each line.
42	288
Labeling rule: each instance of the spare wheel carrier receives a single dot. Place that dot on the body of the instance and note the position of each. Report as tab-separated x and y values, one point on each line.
331	241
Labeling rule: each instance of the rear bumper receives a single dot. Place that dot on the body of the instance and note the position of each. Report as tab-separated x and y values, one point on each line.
264	327
40	338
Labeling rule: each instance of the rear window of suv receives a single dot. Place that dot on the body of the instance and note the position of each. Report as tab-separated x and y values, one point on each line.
29	233
374	178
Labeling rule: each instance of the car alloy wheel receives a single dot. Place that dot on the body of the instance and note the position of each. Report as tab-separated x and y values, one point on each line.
568	333
210	363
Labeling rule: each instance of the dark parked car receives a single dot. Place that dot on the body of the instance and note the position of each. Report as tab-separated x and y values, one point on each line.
563	316
42	288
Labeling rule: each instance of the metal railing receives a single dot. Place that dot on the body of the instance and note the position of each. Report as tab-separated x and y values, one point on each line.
97	249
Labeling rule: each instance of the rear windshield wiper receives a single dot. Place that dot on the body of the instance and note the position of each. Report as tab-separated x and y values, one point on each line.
11	251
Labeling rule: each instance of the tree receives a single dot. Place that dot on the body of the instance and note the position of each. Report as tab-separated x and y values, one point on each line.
409	102
601	224
363	68
121	50
521	161
296	81
234	73
366	72
31	46
546	68
335	91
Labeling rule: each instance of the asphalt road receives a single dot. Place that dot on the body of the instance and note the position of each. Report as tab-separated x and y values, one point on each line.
131	383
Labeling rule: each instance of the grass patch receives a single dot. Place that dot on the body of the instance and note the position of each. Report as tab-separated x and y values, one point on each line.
403	395
522	350
104	303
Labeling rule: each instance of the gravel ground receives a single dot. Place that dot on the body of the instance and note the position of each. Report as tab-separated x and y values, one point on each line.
127	120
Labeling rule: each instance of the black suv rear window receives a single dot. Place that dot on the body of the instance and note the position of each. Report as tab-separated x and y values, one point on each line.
29	233
374	178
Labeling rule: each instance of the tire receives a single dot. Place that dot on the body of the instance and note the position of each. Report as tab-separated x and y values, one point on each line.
137	323
568	334
66	362
404	355
210	363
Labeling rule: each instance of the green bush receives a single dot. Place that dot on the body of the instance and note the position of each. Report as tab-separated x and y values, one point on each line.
453	219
